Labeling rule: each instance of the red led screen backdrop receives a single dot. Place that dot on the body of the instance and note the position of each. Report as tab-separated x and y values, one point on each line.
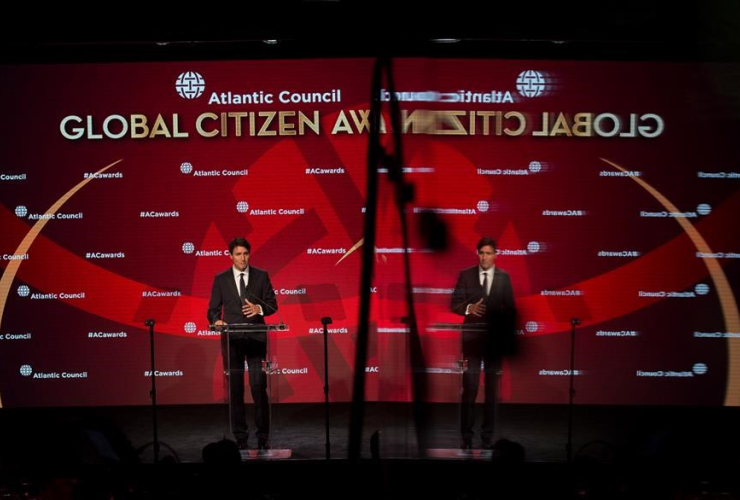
612	188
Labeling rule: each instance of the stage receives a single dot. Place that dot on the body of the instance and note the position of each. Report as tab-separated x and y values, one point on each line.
630	449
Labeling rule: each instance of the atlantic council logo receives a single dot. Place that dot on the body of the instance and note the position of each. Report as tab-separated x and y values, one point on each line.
188	248
186	167
21	211
535	166
704	209
530	83
531	326
190	327
24	291
26	370
482	206
242	207
701	289
533	247
190	85
700	368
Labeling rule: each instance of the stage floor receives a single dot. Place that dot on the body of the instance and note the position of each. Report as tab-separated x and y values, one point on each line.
619	452
606	433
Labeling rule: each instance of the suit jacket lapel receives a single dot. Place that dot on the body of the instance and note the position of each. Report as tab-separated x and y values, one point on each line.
476	275
475	285
232	283
250	287
496	282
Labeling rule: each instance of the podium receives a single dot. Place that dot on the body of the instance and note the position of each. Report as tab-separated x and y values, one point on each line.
257	337
464	367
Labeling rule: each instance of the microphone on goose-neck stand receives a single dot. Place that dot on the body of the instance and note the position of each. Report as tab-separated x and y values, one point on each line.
574	322
473	298
281	325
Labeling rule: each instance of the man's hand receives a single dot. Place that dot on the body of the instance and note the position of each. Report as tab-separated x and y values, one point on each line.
219	322
478	309
250	310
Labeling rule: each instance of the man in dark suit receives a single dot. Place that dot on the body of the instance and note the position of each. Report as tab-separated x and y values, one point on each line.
483	294
244	294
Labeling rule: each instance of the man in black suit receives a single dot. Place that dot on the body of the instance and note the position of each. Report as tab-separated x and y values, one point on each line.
244	294
483	294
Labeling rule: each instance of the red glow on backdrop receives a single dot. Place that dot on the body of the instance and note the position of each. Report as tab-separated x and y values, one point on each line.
523	151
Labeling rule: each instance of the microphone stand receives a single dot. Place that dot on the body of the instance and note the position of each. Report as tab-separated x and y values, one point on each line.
153	392
263	304
326	321
571	392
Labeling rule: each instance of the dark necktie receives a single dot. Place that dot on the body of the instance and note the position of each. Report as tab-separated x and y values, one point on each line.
242	286
485	284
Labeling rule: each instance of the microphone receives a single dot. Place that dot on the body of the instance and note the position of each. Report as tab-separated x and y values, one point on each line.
225	305
238	297
149	322
575	321
281	325
464	304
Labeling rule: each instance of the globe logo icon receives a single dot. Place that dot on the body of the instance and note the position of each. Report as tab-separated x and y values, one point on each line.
190	85
700	368
533	247
186	167
701	289
21	211
704	209
530	83
535	167
23	291
531	326
190	327
188	248
482	206
242	207
26	370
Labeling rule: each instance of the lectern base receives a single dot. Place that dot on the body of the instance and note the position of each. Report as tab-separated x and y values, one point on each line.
265	454
457	453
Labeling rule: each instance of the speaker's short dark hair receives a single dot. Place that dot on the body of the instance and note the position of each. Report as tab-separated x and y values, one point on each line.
486	242
239	242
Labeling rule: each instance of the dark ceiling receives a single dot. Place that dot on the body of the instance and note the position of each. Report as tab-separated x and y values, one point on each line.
608	29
